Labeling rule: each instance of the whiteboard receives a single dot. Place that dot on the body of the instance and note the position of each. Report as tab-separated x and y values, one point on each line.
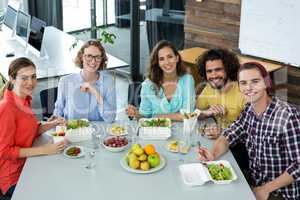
270	29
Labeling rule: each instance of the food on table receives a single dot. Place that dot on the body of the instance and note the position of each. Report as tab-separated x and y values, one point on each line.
149	149
78	130
156	122
189	115
143	158
77	123
73	151
117	130
219	172
117	141
173	146
59	133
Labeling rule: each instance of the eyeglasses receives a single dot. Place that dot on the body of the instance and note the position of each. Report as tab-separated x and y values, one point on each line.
89	58
27	78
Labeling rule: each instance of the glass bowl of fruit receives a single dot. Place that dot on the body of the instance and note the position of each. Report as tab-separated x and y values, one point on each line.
115	143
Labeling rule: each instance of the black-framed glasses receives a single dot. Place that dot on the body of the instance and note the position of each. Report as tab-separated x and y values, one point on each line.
90	57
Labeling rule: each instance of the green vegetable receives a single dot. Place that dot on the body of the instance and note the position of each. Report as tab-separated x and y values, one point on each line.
159	122
77	123
219	172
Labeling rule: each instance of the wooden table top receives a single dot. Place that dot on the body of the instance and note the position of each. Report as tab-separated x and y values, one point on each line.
190	56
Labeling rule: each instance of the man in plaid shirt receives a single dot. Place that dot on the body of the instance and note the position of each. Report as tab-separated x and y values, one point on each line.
270	128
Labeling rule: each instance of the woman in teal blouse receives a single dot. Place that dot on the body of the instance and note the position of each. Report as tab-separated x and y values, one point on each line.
168	88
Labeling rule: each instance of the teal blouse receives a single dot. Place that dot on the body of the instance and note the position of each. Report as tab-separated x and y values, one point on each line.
183	98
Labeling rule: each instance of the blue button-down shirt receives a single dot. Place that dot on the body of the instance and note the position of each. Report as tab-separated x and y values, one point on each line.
155	104
71	103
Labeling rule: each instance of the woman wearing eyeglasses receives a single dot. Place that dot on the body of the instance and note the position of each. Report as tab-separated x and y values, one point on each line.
19	126
90	93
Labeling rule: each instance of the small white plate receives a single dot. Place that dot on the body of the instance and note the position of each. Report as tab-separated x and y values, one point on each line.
81	154
172	150
125	132
162	164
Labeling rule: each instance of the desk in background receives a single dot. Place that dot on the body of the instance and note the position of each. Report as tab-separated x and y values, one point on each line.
190	56
59	59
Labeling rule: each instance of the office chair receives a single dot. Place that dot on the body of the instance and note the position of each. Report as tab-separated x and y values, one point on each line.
48	98
134	93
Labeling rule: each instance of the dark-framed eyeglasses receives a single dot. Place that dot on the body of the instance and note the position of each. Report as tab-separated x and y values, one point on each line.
89	58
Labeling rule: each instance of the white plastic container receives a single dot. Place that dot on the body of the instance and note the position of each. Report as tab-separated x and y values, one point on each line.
154	132
194	174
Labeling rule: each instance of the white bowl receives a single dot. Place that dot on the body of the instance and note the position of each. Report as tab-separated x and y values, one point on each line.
114	149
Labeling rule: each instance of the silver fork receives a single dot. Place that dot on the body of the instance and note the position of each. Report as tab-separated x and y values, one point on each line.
202	162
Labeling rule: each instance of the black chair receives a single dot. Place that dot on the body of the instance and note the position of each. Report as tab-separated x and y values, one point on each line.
134	93
48	98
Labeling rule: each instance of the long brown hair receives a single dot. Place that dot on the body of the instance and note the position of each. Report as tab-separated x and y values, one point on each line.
78	60
13	69
155	73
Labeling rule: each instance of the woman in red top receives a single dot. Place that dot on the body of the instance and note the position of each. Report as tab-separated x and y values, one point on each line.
19	126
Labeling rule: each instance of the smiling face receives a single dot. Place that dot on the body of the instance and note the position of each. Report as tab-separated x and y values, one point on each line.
215	73
25	81
167	60
252	86
91	58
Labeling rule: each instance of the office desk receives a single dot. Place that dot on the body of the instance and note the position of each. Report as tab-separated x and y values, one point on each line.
60	56
58	177
190	56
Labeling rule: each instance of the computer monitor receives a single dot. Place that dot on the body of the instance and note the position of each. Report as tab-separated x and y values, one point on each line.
10	21
23	27
37	27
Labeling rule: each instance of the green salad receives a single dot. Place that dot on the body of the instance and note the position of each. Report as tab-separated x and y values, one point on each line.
219	172
157	122
77	123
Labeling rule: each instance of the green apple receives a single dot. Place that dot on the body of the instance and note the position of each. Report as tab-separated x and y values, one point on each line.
153	160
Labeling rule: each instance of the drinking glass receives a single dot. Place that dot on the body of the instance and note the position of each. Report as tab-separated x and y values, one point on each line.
183	148
90	154
133	128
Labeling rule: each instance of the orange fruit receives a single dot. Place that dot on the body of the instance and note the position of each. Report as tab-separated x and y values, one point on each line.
149	149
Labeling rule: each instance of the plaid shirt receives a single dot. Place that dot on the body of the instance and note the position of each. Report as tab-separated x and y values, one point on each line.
273	143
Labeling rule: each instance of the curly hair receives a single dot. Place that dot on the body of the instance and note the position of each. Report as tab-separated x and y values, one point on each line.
230	61
155	73
78	60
